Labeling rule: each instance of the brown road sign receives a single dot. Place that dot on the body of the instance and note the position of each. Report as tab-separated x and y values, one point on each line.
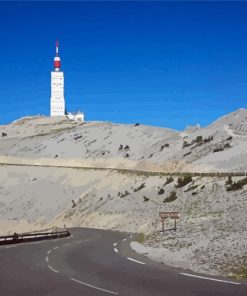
172	215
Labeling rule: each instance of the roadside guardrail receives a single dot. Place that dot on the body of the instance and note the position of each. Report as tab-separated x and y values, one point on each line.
28	237
140	171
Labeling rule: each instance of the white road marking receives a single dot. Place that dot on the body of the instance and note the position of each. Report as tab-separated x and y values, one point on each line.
49	252
116	250
131	236
46	259
114	245
72	236
124	239
131	259
94	287
56	248
52	269
210	279
10	247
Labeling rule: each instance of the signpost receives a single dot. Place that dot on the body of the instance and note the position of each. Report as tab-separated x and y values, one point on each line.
172	215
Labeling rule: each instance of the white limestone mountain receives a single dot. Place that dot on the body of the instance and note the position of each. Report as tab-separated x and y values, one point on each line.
221	146
212	230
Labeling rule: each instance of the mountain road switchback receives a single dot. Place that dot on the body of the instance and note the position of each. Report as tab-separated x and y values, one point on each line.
97	262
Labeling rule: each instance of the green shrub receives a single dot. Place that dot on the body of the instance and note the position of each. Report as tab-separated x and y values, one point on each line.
145	198
140	238
161	191
171	197
198	139
139	187
169	180
121	195
184	181
191	188
237	185
164	146
229	180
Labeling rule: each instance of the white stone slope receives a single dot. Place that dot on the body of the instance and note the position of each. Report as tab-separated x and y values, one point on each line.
143	147
211	234
212	230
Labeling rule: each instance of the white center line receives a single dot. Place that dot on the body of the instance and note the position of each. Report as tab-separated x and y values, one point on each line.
52	269
94	287
49	252
131	259
210	279
124	239
55	247
116	250
114	245
46	259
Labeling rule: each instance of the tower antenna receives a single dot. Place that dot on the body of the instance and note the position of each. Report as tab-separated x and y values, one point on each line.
57	48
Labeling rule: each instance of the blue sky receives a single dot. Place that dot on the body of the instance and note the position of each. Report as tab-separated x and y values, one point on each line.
158	63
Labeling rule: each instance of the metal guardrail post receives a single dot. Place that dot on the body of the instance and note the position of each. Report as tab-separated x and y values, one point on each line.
18	238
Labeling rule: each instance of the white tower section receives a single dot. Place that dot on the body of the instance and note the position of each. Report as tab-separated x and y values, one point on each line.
57	103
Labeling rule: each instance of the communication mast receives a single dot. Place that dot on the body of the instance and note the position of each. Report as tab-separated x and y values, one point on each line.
57	102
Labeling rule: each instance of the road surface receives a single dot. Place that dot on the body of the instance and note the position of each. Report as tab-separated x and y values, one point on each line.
96	262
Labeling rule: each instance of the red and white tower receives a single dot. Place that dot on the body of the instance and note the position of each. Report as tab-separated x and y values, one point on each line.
57	103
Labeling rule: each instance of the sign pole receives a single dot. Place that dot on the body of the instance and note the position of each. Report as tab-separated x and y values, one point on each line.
172	215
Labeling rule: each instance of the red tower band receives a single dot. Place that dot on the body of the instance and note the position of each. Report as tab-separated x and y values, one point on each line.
57	61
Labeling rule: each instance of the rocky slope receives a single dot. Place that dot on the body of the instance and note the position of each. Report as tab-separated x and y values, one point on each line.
222	146
211	235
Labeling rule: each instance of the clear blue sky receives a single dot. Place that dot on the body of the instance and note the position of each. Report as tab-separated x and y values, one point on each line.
158	63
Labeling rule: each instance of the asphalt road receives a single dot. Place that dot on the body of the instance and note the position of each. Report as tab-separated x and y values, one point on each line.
96	262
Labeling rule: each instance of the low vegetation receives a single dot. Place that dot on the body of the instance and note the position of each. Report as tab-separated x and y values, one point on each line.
240	273
191	188
145	198
169	180
139	187
121	195
222	148
161	191
172	196
182	181
164	146
229	181
237	185
140	237
198	141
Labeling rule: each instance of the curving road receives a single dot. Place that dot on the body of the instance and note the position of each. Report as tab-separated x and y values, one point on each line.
96	262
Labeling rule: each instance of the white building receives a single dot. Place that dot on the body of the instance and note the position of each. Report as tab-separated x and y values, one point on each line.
57	103
78	116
